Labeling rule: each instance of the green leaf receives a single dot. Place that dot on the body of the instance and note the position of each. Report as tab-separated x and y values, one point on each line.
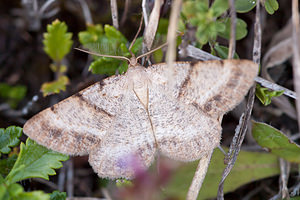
137	46
276	142
9	137
57	195
223	52
219	7
10	192
265	95
12	94
241	29
35	161
243	6
105	65
7	164
55	86
36	195
91	35
250	166
16	192
57	42
271	6
113	34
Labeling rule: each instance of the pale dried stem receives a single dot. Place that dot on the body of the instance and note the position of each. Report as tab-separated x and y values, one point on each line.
284	176
70	176
137	34
296	55
86	12
232	30
151	28
145	9
199	176
243	125
125	13
114	13
275	87
171	37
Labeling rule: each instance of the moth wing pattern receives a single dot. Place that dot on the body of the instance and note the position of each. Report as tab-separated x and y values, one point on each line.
182	131
129	144
79	122
215	86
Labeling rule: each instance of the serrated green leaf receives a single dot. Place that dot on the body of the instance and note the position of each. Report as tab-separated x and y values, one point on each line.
57	42
7	164
57	195
9	137
243	6
91	35
265	95
276	142
223	52
12	94
35	161
250	166
55	86
241	29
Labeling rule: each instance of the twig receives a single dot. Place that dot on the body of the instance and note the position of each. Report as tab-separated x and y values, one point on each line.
151	28
197	53
86	12
296	55
45	6
70	176
47	183
171	36
243	125
145	9
232	30
61	178
125	12
114	13
199	176
275	87
284	176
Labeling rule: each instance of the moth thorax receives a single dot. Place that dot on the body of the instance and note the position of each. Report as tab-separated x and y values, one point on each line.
133	61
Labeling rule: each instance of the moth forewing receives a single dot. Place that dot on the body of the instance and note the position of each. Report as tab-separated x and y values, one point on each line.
139	114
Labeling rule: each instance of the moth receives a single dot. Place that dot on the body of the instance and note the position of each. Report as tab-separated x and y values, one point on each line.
141	114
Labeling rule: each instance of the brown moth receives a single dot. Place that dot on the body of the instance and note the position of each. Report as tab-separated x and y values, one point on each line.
140	114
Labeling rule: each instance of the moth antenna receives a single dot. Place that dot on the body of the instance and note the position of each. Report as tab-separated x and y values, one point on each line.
103	55
136	35
145	54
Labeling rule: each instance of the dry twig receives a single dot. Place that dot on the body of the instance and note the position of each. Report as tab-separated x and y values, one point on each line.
296	55
232	30
242	127
114	13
